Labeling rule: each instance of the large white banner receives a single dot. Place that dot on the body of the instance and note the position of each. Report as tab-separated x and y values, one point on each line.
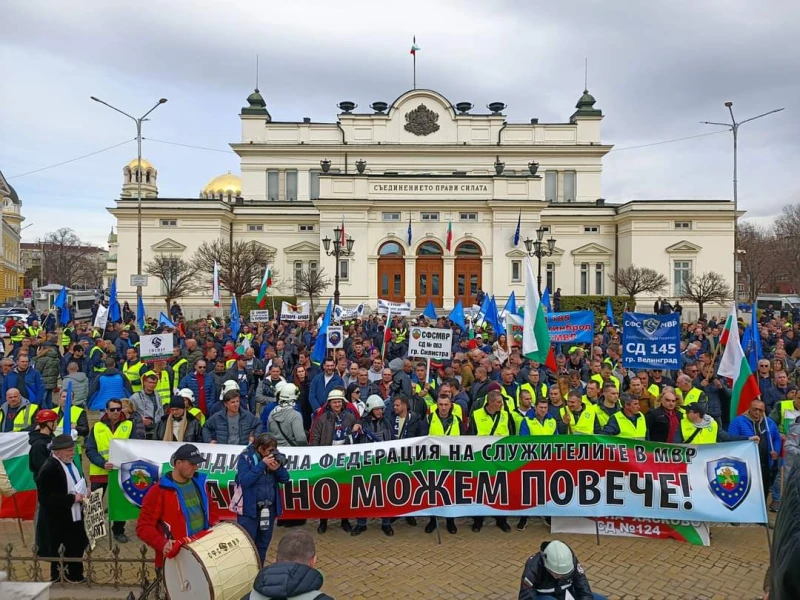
294	312
341	313
402	309
429	342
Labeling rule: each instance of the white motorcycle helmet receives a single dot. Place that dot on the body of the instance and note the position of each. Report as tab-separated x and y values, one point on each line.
287	394
558	559
373	402
227	387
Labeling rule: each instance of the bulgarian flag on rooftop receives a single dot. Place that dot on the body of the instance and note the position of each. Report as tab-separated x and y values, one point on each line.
734	365
414	47
15	475
266	282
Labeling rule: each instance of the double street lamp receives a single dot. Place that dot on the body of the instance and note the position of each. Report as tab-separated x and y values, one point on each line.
342	246
138	179
540	248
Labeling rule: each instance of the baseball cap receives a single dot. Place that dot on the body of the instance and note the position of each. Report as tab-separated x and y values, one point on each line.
188	452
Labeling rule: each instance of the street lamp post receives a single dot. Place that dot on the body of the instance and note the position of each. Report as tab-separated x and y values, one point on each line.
138	122
734	128
540	248
342	246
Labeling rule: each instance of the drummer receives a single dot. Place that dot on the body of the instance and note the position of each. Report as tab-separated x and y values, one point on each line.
177	506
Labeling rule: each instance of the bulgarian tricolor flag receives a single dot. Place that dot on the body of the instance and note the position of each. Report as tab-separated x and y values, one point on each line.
414	47
266	282
449	235
16	476
535	336
734	365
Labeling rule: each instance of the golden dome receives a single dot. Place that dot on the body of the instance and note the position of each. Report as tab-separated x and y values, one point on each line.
224	185
146	164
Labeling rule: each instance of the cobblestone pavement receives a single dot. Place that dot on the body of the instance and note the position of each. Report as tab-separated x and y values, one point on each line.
488	565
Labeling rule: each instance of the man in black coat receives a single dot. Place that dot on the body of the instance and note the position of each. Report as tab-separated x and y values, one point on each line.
554	572
61	487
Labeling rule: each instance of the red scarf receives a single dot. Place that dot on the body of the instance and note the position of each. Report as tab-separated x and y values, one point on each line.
201	393
672	417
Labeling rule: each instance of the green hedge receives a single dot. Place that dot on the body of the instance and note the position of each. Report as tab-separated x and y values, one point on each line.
597	304
249	303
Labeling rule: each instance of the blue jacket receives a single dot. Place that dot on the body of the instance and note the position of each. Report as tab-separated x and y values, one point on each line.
258	483
744	426
718	398
190	381
216	428
318	392
33	381
111	384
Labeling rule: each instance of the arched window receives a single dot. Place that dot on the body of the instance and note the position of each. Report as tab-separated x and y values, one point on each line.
147	177
429	249
391	249
468	249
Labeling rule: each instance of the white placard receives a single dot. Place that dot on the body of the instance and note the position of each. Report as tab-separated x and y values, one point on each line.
259	316
692	532
429	342
294	312
94	517
402	309
156	347
335	335
340	312
138	280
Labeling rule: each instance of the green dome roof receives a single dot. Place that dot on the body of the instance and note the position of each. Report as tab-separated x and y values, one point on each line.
256	105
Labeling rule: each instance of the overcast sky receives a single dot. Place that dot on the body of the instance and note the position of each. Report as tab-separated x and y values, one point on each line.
656	69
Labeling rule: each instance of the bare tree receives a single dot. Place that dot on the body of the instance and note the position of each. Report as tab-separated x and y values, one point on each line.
708	287
65	257
787	226
177	276
761	258
311	284
637	280
241	265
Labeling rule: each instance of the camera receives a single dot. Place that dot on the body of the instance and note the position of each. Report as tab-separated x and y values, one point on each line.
280	458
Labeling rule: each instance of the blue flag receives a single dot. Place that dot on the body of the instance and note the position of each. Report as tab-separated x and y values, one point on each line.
758	353
113	304
485	305
430	311
321	343
609	311
409	229
61	300
140	313
67	423
66	315
511	304
457	315
236	322
516	233
493	318
546	300
164	320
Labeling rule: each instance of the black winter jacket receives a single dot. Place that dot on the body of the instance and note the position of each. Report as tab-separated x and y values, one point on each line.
287	580
39	452
537	579
192	435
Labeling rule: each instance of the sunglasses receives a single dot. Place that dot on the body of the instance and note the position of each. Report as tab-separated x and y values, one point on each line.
117	409
200	368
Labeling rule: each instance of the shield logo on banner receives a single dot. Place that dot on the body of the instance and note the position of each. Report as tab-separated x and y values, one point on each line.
334	338
729	480
136	478
650	326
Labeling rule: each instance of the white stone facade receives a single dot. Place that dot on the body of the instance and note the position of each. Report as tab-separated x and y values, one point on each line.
427	163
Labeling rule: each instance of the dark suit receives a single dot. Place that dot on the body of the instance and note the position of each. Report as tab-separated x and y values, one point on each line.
55	514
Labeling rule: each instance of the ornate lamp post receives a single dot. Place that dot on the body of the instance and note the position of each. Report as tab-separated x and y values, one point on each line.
540	248
342	246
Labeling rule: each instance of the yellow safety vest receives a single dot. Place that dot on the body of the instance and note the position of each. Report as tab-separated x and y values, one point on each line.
484	422
529	386
628	429
599	379
229	362
536	428
23	419
706	435
177	367
163	389
134	374
75	414
788	414
19	336
436	427
654	390
34	331
602	416
584	424
692	396
103	437
198	414
101	367
66	336
588	401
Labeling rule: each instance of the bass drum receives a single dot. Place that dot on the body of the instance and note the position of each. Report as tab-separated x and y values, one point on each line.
220	565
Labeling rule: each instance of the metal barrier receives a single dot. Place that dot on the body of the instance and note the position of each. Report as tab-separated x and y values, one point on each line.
106	571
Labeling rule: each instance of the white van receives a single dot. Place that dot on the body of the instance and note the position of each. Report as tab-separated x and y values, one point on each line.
779	302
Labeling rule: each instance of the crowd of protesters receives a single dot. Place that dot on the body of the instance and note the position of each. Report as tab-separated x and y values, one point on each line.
228	389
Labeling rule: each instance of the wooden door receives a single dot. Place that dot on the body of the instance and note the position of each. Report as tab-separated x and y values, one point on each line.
391	279
468	280
429	281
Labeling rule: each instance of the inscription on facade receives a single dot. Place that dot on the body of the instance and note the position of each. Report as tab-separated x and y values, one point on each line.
430	187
